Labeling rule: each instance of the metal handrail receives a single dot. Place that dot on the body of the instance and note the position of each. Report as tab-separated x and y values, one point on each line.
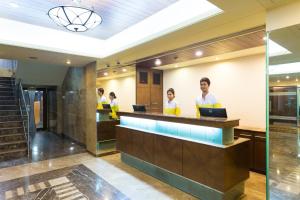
25	118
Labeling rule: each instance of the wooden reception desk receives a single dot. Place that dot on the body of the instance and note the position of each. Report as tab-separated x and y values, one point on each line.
198	156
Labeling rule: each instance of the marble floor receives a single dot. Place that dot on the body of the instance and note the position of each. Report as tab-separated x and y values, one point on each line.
284	165
83	176
46	145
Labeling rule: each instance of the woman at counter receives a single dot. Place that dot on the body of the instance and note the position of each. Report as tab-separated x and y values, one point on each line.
171	106
114	105
101	99
206	100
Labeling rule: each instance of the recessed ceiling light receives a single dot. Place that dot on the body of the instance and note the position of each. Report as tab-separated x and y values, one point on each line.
68	62
278	81
198	53
124	70
157	62
287	77
13	4
105	73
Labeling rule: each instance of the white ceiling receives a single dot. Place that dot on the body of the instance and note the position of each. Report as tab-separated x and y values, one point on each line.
117	15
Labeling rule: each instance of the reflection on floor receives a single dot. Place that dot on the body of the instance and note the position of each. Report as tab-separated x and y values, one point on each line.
47	145
76	182
115	178
284	166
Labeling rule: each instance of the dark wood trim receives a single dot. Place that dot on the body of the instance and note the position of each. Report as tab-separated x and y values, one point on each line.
210	122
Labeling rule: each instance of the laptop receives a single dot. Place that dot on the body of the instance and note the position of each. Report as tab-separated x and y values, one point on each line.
106	106
139	108
213	112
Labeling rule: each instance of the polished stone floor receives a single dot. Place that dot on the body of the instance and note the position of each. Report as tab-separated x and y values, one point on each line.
284	165
46	145
107	174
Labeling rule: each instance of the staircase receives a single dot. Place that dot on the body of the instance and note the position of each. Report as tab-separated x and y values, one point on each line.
13	142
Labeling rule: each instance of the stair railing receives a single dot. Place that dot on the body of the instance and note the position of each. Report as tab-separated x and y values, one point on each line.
24	110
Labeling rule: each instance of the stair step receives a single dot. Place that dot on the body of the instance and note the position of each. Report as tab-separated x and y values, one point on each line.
13	154
13	144
11	130
9	107
10	118
9	124
7	89
7	93
9	112
8	98
12	137
8	102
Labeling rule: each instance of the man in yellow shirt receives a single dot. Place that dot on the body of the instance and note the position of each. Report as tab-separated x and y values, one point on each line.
206	100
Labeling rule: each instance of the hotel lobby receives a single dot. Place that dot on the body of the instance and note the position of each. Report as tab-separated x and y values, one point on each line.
151	99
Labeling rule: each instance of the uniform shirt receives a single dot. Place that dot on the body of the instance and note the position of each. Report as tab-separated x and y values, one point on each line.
172	108
101	100
209	101
114	108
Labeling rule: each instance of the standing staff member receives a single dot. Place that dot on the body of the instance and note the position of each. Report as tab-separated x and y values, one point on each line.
172	106
206	100
113	105
101	99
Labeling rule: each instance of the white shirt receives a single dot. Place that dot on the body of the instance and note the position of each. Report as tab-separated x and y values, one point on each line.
113	103
208	99
171	104
101	99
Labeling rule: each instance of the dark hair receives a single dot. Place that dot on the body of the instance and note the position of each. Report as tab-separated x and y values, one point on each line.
205	79
171	90
113	95
101	90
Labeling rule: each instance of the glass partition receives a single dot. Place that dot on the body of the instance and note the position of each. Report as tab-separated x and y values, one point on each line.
283	98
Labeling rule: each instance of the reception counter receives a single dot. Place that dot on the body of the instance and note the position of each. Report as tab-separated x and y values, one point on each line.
106	134
198	156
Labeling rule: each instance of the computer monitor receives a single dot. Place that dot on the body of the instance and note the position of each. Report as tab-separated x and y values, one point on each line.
139	108
106	106
213	112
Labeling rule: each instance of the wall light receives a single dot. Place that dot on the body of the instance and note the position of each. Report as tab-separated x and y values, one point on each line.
198	53
68	62
157	62
105	73
124	70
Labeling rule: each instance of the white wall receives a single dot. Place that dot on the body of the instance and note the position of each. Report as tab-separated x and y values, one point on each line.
34	73
124	89
239	85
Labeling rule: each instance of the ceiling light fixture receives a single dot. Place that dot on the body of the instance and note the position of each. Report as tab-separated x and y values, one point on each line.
296	80
73	18
124	70
157	62
287	77
198	53
105	73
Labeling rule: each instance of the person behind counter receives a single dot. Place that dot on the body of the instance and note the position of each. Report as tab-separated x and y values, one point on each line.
172	106
101	99
114	105
206	100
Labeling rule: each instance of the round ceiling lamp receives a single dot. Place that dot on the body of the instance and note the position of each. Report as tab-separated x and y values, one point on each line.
74	18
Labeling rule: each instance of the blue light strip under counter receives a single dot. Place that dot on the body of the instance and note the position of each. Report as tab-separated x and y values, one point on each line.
194	132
